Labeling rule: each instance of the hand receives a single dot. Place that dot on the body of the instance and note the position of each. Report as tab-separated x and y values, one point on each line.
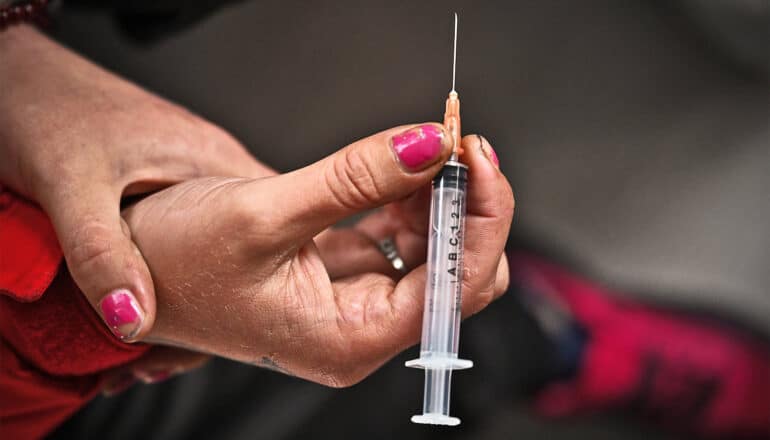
76	139
238	273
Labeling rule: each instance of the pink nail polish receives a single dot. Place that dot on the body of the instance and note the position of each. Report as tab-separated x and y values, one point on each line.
493	157
488	151
419	147
122	313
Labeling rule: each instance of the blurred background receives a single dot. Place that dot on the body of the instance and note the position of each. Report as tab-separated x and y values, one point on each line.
636	135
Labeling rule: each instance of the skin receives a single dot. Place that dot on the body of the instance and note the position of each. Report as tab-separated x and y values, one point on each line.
244	266
76	138
248	269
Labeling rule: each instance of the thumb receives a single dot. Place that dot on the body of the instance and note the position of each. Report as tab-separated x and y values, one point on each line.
366	174
104	262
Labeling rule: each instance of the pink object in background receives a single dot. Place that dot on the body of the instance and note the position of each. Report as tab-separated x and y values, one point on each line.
688	373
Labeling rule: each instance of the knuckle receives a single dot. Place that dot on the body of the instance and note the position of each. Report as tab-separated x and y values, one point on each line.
242	216
90	246
479	295
221	137
211	136
256	227
239	213
50	177
470	273
352	182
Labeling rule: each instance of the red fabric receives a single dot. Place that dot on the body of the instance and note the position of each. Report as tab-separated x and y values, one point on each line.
692	374
29	252
52	346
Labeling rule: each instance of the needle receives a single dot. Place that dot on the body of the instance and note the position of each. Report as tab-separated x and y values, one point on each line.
454	56
452	112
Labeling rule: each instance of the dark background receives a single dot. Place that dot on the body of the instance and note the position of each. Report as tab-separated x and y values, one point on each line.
635	136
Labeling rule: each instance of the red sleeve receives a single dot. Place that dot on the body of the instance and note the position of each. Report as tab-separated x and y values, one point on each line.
52	343
29	252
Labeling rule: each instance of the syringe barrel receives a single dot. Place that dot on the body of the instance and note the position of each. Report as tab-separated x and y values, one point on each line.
443	289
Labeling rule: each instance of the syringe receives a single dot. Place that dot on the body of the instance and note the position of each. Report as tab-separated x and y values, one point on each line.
443	289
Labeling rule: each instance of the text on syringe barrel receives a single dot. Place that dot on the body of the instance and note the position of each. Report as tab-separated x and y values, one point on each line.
443	288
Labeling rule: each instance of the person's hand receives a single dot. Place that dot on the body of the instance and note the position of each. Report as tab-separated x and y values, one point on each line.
76	139
238	273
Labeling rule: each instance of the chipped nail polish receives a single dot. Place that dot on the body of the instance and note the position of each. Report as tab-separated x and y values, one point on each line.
419	147
122	313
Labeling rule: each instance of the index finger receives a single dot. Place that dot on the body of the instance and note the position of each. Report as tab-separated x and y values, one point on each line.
490	206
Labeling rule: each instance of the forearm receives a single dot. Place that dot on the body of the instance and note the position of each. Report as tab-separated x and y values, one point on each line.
19	47
64	118
48	92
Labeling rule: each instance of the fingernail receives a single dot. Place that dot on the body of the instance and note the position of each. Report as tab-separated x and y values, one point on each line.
420	146
117	386
489	152
122	314
150	377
